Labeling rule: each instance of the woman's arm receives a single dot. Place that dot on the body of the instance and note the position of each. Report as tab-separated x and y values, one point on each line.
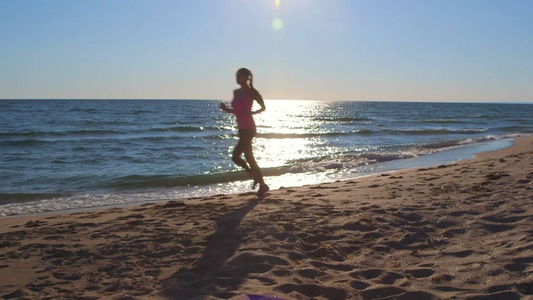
260	101
225	108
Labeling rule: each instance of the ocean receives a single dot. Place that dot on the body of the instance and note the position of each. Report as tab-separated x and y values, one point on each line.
73	154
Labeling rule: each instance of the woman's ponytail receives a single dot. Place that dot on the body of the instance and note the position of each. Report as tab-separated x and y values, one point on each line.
252	81
256	92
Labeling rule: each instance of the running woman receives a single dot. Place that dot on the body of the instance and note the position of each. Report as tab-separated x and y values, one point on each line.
241	107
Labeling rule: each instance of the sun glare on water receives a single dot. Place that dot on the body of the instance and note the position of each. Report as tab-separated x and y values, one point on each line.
281	134
289	131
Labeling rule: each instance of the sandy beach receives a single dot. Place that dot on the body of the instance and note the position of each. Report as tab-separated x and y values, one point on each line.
457	231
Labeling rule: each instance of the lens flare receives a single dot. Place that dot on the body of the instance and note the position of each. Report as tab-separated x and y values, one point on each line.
277	2
277	24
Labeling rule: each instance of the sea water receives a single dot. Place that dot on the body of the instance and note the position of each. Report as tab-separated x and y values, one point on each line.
69	154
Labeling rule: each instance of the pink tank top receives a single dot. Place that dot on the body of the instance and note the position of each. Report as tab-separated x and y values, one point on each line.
242	108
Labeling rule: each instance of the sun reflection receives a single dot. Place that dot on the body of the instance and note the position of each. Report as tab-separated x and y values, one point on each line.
285	134
276	152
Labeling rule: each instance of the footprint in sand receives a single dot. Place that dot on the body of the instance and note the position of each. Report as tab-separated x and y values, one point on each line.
320	187
358	226
502	219
421	273
68	277
496	228
377	276
459	254
464	212
524	260
411	217
382	292
165	253
31	224
445	224
310	273
336	267
359	285
281	271
515	267
507	295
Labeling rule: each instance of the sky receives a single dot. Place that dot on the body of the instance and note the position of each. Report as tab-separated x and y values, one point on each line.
378	50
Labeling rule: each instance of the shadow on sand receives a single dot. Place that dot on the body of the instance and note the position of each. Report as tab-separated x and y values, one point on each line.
214	274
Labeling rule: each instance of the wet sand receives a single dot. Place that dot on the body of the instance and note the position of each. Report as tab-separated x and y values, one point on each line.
461	230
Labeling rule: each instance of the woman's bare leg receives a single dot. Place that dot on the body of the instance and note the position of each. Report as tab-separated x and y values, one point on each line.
236	157
255	171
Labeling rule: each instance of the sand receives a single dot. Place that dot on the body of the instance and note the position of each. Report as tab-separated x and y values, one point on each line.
462	231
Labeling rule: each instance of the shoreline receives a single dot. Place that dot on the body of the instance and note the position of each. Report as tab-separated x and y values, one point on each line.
461	229
276	182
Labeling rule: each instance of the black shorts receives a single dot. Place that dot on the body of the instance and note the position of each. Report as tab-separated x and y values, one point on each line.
247	133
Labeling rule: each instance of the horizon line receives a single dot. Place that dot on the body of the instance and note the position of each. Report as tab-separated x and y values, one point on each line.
206	99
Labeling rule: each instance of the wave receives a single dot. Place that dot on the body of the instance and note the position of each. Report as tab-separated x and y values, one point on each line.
441	144
312	135
84	110
444	145
90	132
521	121
342	119
138	112
310	165
274	135
367	132
344	161
6	198
149	181
438	146
295	135
33	137
102	122
443	121
434	131
179	129
518	128
36	134
158	139
23	143
96	132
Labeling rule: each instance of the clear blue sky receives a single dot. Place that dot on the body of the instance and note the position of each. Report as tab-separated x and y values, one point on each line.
411	50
